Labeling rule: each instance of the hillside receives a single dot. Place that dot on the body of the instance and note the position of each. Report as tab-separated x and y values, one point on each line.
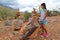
6	12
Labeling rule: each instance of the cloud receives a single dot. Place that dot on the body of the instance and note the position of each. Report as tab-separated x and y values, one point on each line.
27	9
29	4
51	4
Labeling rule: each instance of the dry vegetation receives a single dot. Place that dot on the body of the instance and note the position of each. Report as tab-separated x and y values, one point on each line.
53	27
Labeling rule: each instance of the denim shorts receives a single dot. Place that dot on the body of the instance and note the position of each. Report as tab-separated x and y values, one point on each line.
43	22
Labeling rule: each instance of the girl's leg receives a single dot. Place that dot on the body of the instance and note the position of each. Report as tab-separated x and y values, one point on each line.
45	31
44	28
42	35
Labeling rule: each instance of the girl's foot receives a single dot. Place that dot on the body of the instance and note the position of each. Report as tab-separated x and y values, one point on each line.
42	35
46	35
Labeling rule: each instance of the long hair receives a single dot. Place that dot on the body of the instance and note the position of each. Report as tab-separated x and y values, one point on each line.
43	4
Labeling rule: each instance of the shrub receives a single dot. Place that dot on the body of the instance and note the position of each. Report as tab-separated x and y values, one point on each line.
27	15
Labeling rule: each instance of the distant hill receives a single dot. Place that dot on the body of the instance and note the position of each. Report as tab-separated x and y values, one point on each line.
6	12
2	5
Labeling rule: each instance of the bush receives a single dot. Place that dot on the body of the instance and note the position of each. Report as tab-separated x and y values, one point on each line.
53	13
27	15
6	12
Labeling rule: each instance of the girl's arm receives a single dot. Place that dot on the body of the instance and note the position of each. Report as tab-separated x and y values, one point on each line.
45	15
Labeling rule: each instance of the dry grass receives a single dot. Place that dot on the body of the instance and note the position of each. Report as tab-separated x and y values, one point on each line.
53	27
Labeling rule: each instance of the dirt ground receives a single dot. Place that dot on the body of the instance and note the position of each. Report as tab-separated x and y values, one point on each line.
53	28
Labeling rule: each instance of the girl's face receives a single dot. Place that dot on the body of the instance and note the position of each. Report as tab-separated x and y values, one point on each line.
42	7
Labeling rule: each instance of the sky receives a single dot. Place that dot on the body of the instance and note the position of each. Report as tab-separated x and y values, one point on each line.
28	5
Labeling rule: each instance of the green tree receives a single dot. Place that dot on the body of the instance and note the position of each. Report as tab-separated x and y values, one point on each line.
27	15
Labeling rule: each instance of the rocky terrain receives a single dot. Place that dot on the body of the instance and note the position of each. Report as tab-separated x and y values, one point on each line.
53	28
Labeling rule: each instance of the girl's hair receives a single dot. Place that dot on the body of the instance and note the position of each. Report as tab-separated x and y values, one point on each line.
43	4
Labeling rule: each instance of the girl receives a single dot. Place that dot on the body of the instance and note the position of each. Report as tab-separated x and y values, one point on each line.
43	15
